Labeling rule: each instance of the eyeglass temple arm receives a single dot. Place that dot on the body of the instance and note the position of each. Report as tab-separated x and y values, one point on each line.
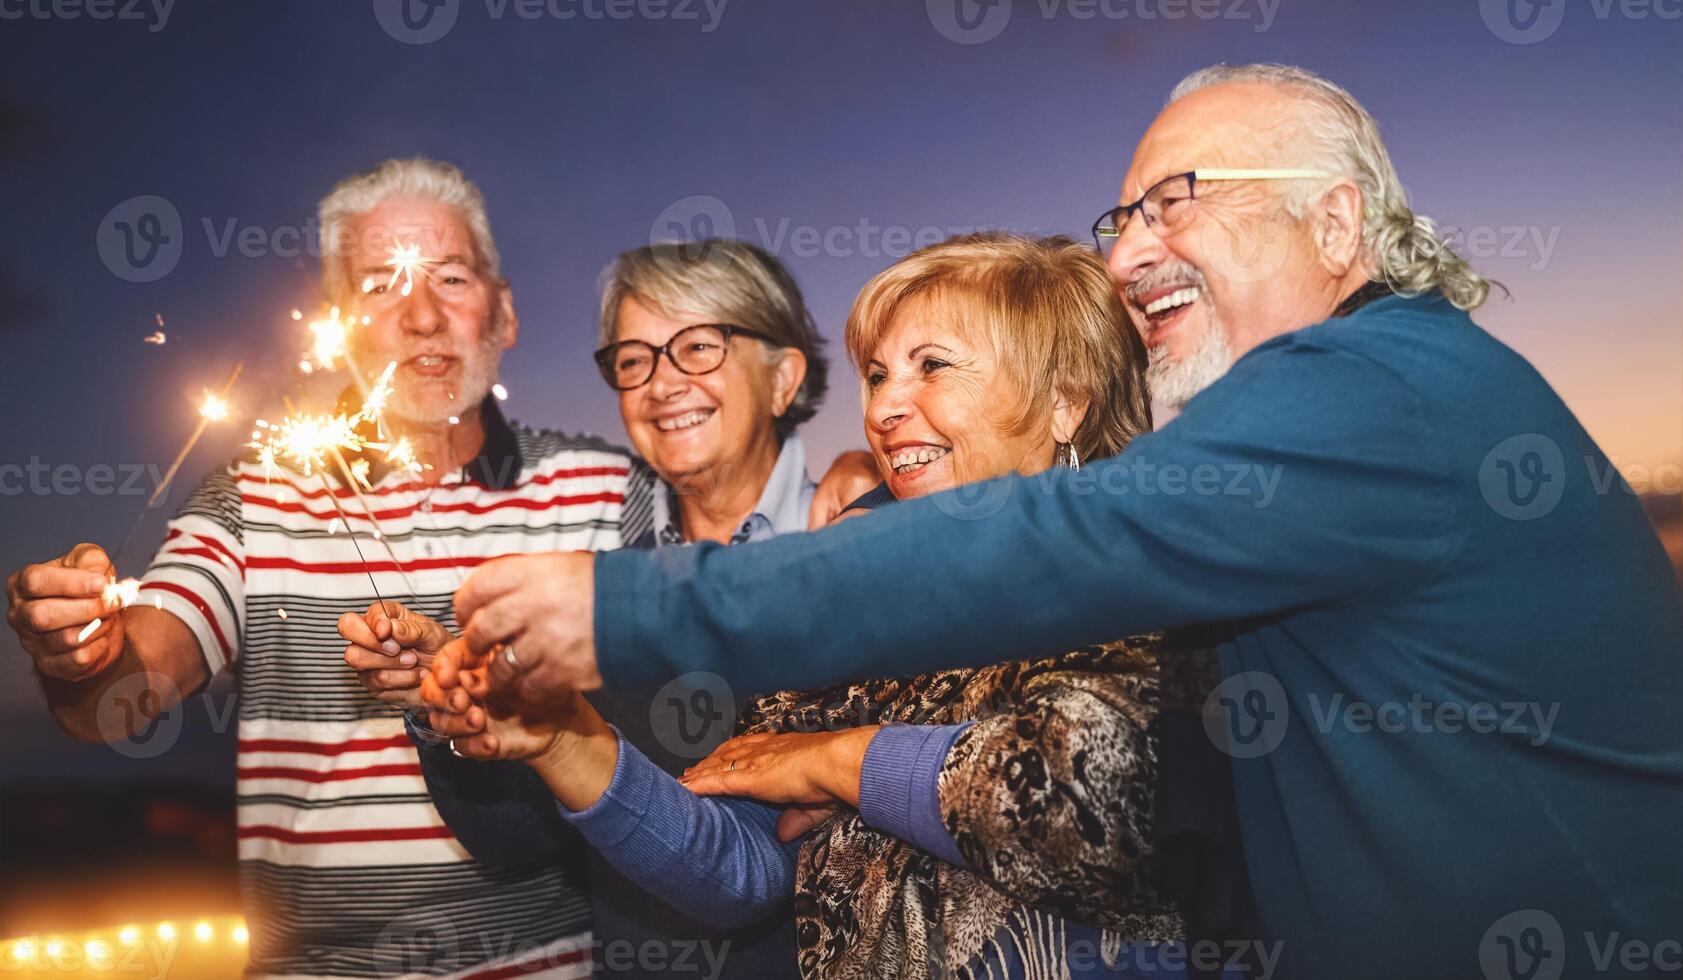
1226	173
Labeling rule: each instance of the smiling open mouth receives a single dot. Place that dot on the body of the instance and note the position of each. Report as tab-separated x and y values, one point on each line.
1164	307
911	460
688	420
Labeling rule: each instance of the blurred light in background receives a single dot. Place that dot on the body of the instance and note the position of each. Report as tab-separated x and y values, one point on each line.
218	953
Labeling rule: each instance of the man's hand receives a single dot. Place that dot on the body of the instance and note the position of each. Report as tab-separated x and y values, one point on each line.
530	619
851	476
49	605
390	648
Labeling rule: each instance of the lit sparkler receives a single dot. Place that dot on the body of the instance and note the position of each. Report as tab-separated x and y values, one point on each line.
214	408
116	595
307	441
405	261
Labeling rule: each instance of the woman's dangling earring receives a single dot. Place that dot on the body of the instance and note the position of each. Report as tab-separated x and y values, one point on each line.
1068	456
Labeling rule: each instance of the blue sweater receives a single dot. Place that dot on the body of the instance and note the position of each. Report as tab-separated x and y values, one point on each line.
1453	647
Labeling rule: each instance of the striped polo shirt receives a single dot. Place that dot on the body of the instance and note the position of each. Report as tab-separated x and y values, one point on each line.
347	869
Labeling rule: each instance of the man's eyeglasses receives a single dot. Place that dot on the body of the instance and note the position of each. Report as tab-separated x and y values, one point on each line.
693	350
1167	205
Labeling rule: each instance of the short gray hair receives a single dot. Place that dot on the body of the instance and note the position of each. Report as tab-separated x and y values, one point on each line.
1410	255
414	177
722	280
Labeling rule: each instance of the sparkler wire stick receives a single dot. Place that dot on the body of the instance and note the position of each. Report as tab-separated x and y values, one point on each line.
344	519
207	414
368	511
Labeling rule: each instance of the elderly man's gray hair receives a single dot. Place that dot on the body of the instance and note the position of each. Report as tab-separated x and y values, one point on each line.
414	177
1409	253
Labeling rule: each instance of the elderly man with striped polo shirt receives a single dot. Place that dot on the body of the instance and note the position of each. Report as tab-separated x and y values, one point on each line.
347	868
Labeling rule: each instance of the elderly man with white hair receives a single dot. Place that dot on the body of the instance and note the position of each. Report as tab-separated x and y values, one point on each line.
347	867
1451	659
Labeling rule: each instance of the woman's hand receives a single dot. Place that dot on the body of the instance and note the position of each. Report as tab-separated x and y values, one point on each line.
565	740
390	649
799	767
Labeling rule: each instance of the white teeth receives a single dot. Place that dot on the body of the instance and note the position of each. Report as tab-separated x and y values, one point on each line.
429	360
1179	297
909	459
684	421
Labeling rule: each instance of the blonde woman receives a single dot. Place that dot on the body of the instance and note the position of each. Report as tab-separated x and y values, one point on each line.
981	356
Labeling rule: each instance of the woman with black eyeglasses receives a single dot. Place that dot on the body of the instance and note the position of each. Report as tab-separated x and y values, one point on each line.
716	362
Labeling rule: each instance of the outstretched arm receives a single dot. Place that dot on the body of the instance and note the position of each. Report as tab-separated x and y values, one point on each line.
106	672
1266	494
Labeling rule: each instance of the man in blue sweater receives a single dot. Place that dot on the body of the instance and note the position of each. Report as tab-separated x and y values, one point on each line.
1452	646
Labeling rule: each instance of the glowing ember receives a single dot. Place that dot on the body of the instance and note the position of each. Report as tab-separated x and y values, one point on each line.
156	337
405	261
306	440
120	594
215	407
330	337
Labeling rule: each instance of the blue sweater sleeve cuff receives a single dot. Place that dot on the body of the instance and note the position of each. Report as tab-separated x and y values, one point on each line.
899	786
616	812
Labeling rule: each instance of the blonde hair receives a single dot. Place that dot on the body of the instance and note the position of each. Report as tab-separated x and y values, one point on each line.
1410	255
722	280
1051	311
414	177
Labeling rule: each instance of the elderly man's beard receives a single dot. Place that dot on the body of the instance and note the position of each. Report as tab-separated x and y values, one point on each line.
478	374
1174	381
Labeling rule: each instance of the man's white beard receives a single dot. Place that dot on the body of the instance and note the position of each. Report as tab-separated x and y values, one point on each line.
1174	382
478	375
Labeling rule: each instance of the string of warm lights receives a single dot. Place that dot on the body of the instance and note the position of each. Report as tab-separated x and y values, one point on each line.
102	949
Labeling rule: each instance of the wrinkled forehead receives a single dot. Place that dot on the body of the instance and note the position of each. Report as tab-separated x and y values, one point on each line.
1228	125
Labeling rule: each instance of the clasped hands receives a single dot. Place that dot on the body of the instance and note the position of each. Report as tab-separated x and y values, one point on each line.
509	688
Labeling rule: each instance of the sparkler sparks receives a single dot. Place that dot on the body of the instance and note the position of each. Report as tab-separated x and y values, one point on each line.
306	440
116	595
121	594
405	261
156	337
330	340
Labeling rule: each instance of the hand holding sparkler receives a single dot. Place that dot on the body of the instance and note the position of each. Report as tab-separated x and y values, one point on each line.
391	653
64	612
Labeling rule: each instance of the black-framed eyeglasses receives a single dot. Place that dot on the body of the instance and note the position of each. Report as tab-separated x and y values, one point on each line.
699	349
1167	204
